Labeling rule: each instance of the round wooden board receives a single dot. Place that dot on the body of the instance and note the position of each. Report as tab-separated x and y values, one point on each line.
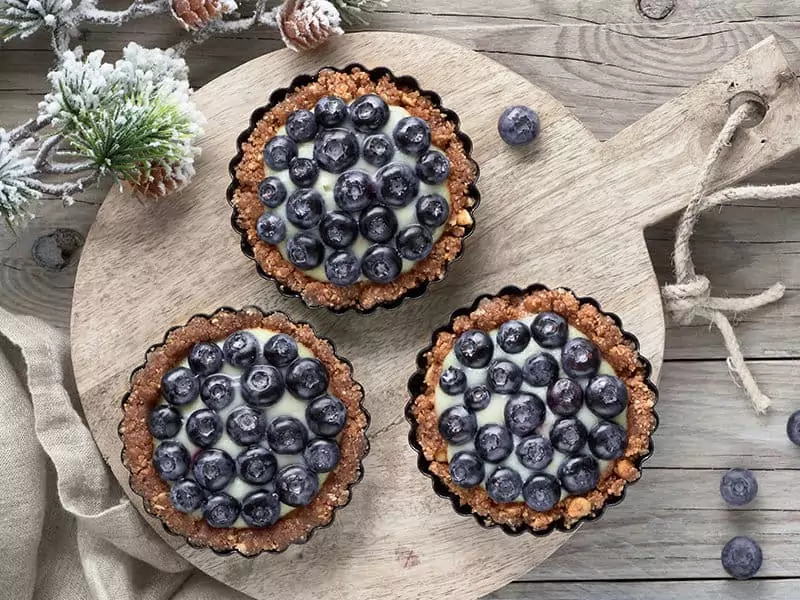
550	214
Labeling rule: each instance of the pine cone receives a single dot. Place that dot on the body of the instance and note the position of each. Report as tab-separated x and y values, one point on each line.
196	14
157	183
306	24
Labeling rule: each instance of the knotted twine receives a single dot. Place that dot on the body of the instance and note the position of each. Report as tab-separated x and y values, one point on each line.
691	295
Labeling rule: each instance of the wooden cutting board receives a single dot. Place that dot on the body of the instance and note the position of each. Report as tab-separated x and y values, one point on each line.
565	211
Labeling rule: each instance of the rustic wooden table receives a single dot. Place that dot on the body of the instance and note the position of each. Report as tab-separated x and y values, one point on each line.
611	62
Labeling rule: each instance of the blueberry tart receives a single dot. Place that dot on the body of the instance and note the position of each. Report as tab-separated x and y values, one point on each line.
353	189
243	431
532	410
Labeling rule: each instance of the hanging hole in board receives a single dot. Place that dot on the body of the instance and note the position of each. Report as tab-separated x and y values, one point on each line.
756	116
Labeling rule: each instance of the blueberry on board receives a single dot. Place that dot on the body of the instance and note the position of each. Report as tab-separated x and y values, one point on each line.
504	377
741	557
164	422
478	397
524	413
306	378
204	427
272	192
540	370
296	485
217	391
550	330
541	491
398	184
301	125
493	443
414	242
369	113
171	460
287	435
354	191
534	452
565	397
453	381
433	167
568	435
381	263
221	510
261	508
305	208
474	349
246	425
466	469
336	150
518	125
279	152
412	135
326	415
513	337
793	427
738	487
457	424
180	386
378	224
378	150
606	396
342	268
262	385
432	210
330	111
305	251
271	228
338	229
303	172
579	474
504	485
186	496
321	455
280	350
607	440
205	358
580	358
213	469
257	465
240	349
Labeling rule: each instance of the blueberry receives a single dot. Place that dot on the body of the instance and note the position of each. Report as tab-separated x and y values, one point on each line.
414	242
305	208
369	113
579	474
738	487
607	440
354	191
204	427
330	111
301	126
541	491
474	349
534	452
524	413
221	510
279	152
518	125
504	485
257	465
540	370
378	150
412	135
186	496
466	469
568	435
453	381
205	358
303	172
342	268
457	425
513	337
240	349
213	469
262	385
378	224
306	378
606	396
171	460
550	330
565	397
741	557
478	397
793	427
432	210
305	251
398	184
261	508
321	455
433	167
217	391
272	192
271	228
381	264
246	425
164	422
336	150
493	443
296	485
326	416
280	350
338	229
580	358
504	377
180	386
287	435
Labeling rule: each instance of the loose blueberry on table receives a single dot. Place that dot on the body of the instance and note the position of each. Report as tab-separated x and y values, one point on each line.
741	557
518	125
738	487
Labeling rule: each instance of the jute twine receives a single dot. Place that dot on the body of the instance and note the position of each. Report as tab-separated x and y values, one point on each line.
690	296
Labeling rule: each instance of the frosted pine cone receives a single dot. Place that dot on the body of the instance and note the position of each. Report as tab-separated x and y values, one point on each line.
196	14
157	183
306	24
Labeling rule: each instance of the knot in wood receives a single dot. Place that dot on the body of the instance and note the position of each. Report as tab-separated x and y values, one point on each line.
683	299
656	9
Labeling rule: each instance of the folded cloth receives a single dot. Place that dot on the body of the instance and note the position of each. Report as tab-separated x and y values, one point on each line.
67	529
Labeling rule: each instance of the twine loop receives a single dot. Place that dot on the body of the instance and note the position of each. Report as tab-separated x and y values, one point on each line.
683	299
